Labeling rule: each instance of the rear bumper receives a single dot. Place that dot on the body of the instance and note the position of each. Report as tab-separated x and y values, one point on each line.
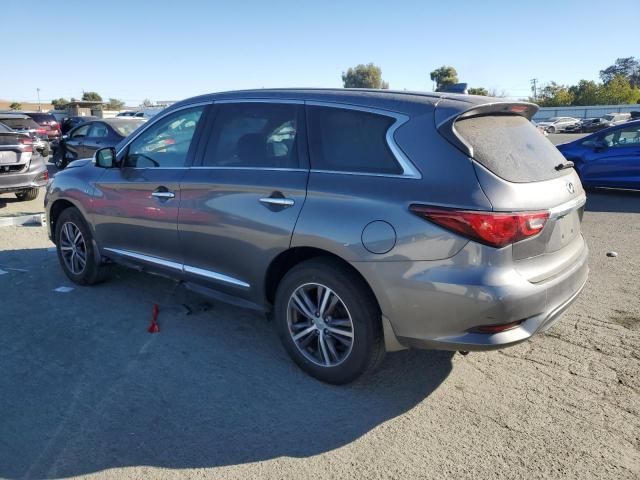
34	177
436	304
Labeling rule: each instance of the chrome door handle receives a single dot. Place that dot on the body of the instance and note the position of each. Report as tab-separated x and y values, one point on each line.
278	202
163	195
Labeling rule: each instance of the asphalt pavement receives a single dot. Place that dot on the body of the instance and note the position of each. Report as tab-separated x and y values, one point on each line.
85	390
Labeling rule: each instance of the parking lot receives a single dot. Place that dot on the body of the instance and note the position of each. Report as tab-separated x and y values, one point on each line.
87	391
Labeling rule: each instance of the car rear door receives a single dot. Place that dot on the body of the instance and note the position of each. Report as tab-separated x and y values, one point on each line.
614	160
240	205
135	206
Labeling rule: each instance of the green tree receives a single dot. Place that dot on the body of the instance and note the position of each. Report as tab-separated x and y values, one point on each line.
59	103
618	91
586	92
444	76
628	67
15	106
114	104
91	97
478	91
364	76
554	95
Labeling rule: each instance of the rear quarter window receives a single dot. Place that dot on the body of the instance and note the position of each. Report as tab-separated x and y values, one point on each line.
346	140
512	148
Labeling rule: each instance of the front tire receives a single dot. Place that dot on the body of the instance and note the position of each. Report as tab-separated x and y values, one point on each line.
329	321
551	130
76	249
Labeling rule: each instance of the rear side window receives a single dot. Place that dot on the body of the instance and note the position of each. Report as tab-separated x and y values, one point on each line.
258	135
4	128
42	117
347	140
511	147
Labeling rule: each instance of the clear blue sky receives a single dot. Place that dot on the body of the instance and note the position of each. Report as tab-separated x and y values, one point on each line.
171	50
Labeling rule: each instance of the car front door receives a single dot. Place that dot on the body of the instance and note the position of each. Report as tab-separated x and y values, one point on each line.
95	138
614	160
240	205
74	145
136	205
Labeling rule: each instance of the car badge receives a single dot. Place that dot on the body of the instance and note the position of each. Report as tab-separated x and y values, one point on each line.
570	187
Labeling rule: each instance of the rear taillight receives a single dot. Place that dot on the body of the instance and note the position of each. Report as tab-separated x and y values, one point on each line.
491	228
41	131
26	144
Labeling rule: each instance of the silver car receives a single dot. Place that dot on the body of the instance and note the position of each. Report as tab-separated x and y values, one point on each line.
22	171
362	221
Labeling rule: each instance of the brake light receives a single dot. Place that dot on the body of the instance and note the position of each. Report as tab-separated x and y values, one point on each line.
26	144
41	131
490	228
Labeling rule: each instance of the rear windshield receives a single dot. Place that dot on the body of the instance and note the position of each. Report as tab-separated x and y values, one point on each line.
42	117
125	128
511	147
20	123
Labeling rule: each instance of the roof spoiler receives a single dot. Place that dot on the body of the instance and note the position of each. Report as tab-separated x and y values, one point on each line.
448	113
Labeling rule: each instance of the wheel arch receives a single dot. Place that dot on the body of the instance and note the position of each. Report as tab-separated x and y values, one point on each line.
288	259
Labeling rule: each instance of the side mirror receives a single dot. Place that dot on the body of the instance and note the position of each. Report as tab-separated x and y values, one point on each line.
105	157
599	146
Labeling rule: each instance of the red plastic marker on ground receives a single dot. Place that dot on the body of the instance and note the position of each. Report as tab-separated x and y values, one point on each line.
153	327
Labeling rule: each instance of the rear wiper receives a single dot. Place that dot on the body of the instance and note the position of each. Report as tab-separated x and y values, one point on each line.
562	166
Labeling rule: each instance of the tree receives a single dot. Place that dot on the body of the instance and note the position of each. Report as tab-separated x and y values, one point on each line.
146	103
364	76
91	97
59	103
586	92
627	67
15	106
114	104
478	91
618	91
554	95
444	76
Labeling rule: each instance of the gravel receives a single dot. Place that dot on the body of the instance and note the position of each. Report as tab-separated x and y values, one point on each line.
85	390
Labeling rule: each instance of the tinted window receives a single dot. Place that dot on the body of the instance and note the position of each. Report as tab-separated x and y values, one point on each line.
4	128
511	147
350	141
20	123
98	130
166	143
254	135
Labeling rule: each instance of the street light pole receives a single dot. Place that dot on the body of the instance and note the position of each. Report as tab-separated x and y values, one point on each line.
39	106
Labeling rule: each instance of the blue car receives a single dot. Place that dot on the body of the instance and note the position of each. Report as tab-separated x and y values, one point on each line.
608	158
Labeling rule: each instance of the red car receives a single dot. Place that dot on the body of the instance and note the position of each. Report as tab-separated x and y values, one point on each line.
48	122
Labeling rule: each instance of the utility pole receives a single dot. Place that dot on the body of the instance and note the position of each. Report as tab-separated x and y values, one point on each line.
534	88
39	106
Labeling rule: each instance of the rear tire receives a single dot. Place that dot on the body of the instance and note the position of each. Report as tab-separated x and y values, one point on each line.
340	337
76	249
26	195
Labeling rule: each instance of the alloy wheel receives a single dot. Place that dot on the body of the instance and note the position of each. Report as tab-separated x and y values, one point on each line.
320	324
73	248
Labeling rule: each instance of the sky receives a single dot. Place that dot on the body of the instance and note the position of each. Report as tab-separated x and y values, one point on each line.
170	50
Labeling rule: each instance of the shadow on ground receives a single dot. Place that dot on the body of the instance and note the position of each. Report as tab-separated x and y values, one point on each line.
614	201
86	388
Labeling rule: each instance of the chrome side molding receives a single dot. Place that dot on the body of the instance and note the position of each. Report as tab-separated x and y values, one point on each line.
181	267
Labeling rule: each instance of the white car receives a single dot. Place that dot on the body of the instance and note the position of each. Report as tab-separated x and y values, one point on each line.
559	124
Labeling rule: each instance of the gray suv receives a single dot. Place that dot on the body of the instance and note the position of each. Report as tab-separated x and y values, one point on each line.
362	221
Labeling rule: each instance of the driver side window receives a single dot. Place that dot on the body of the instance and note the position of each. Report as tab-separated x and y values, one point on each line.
624	137
166	143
